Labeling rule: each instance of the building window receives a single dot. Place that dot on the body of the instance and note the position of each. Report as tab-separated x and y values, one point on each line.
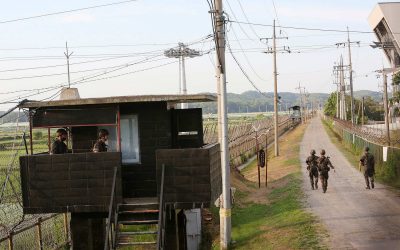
130	139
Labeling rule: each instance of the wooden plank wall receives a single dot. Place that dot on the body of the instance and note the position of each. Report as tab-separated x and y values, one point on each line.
69	182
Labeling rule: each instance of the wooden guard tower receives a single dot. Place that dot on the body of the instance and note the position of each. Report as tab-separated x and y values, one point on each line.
156	164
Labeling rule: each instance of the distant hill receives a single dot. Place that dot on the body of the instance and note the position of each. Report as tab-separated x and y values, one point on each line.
253	101
376	96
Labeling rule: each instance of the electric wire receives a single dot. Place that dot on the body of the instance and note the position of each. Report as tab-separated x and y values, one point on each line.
305	28
65	11
59	74
244	72
240	26
246	58
83	79
248	20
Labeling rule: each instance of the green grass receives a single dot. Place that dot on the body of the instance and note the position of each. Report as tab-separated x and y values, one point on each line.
282	224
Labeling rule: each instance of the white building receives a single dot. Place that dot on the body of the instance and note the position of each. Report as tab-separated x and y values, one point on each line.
385	22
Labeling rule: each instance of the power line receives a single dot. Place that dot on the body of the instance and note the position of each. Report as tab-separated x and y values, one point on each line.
64	73
247	19
86	78
149	59
248	61
305	28
65	11
240	26
243	71
128	73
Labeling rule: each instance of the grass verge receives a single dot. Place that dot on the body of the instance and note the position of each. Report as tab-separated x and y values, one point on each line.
274	217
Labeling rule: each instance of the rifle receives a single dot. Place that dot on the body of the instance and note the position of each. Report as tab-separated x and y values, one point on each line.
334	170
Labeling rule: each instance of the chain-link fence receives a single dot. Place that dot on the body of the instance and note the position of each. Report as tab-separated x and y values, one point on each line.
19	231
387	159
242	136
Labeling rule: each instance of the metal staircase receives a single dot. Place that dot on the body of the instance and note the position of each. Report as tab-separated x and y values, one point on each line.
137	223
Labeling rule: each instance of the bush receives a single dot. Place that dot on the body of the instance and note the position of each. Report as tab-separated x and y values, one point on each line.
243	158
396	79
37	135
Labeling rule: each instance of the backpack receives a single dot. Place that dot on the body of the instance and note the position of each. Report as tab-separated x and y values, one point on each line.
369	161
323	164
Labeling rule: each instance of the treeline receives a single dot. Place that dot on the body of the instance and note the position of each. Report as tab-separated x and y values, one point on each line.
12	117
373	108
253	101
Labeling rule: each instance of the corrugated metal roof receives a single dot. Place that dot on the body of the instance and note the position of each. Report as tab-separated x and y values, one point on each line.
122	99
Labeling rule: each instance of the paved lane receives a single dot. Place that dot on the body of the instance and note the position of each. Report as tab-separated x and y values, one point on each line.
355	218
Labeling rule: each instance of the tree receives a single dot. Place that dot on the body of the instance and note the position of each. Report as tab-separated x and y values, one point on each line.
330	105
396	79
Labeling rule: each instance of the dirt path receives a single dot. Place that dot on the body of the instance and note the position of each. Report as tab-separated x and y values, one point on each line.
355	218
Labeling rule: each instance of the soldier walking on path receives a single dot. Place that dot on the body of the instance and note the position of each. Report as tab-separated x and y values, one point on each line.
312	167
367	160
324	166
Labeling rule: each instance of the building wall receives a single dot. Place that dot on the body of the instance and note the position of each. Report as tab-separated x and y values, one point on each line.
192	176
69	182
139	180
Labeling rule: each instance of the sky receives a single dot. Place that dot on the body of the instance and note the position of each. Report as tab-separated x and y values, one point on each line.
118	50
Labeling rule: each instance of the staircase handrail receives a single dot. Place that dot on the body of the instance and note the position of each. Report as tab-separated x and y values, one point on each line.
109	235
161	217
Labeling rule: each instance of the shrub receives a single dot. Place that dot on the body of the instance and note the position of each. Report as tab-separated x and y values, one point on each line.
37	135
243	158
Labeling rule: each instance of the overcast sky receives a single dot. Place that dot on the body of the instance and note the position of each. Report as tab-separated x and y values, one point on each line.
140	31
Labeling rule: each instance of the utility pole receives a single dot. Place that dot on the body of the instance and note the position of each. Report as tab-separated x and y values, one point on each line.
362	111
337	95
350	68
275	94
273	50
225	209
301	103
68	55
343	115
337	82
386	106
351	77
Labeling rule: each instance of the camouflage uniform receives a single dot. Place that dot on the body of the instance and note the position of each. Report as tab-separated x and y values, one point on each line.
100	146
58	147
368	162
312	167
324	166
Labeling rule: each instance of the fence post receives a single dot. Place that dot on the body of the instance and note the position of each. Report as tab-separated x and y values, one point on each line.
10	241
39	233
66	229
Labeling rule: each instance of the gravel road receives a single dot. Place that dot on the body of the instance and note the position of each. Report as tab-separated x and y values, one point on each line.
355	218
